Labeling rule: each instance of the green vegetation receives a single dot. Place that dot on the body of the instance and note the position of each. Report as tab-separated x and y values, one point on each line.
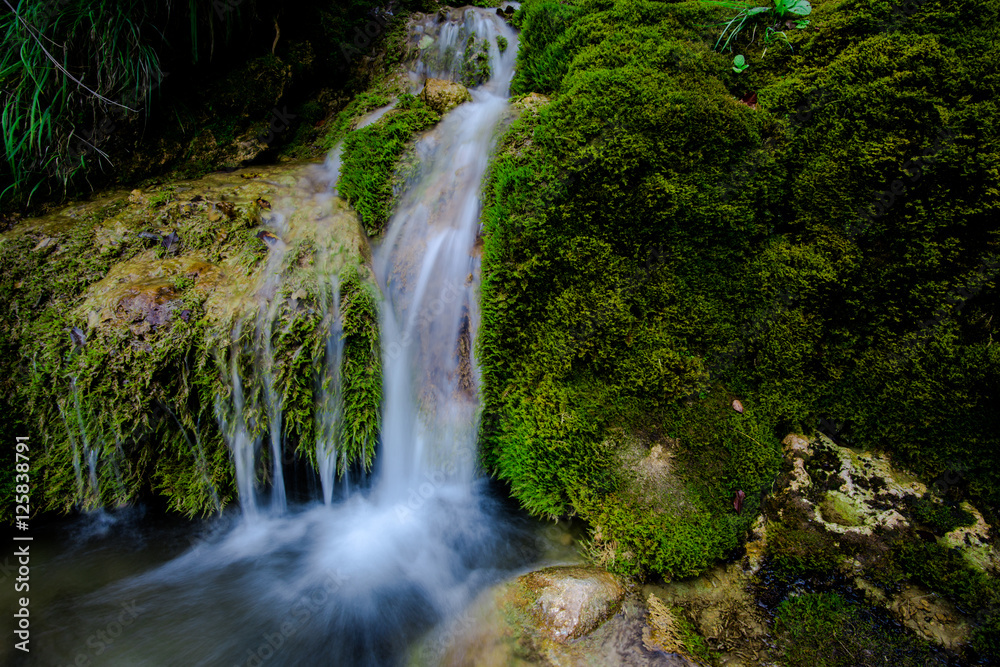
942	570
825	630
653	247
362	371
130	379
54	123
475	61
781	11
370	157
940	517
82	85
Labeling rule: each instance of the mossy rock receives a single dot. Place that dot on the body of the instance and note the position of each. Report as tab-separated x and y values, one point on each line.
120	331
443	96
568	602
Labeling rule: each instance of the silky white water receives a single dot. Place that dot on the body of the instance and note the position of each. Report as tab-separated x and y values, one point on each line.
355	576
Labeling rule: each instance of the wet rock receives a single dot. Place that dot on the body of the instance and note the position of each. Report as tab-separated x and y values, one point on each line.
571	601
44	244
267	237
148	305
974	542
863	500
443	96
78	337
499	629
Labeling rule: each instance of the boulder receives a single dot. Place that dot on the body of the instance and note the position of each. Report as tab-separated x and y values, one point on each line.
443	96
569	602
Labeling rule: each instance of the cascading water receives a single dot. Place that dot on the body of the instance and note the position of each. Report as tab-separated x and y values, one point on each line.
356	581
427	269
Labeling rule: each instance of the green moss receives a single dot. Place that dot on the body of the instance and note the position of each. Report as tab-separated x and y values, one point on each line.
649	238
945	571
140	399
798	550
359	105
475	61
939	517
825	630
692	640
370	157
362	371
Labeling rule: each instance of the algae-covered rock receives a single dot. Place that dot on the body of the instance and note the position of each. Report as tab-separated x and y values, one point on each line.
443	96
531	102
171	292
861	515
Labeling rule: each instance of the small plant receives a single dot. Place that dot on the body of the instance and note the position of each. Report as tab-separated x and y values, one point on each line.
739	64
771	36
782	10
501	43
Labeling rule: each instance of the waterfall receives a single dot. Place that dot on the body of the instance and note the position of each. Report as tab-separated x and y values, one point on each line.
428	273
357	579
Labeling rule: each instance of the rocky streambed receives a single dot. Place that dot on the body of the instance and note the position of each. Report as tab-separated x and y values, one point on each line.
834	528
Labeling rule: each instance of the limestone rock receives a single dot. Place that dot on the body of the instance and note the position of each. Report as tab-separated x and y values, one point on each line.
443	96
502	627
571	601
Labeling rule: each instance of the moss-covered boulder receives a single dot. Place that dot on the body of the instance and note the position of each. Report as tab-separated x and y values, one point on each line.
443	96
903	546
127	318
657	241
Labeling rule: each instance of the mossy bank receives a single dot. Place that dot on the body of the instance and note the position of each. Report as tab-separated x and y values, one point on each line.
127	319
667	235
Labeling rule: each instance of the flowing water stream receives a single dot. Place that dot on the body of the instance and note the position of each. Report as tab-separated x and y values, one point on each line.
355	577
